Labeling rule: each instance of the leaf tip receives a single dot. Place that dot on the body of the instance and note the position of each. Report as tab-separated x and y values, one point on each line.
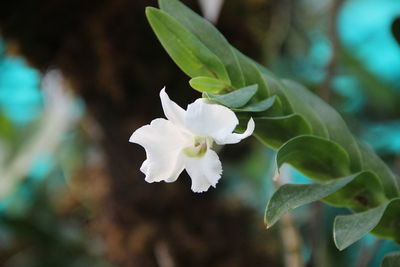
150	11
339	245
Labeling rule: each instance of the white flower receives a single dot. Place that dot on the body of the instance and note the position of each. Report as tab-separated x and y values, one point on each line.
185	140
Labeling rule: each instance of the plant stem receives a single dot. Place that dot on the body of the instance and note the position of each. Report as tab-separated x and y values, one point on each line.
326	90
290	237
290	242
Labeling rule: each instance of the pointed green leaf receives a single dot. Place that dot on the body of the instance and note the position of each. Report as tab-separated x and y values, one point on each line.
347	229
316	157
208	85
235	99
274	131
291	196
184	48
258	106
208	35
391	260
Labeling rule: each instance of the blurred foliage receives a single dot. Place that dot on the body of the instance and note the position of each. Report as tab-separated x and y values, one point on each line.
41	222
41	230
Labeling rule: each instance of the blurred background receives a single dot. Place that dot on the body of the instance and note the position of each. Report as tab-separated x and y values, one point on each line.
77	77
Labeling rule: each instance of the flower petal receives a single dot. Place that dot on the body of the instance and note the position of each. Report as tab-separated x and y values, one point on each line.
214	120
163	142
172	111
204	171
235	138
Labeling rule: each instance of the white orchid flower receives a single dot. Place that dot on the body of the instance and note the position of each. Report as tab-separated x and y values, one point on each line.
185	140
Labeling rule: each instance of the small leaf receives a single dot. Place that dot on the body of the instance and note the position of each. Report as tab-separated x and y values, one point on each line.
237	98
275	131
184	48
391	260
347	229
258	106
208	85
291	196
316	157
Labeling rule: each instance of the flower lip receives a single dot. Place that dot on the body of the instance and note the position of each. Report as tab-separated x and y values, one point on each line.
199	147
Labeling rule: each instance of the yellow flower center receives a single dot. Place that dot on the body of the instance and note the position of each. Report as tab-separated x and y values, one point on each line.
199	147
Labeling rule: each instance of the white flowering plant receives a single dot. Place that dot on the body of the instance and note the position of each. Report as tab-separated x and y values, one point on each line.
185	140
282	114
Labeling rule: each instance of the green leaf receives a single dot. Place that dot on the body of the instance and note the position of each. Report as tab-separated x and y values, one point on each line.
274	131
291	196
184	48
208	85
252	75
391	260
275	87
316	157
363	193
383	220
347	229
237	98
258	106
370	161
324	120
208	35
302	102
389	225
